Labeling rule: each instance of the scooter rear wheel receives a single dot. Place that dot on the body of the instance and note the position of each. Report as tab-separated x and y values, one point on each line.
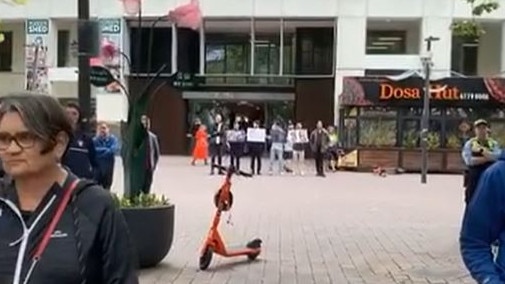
206	258
254	244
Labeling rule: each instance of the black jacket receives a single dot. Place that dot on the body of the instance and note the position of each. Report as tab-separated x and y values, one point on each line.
80	157
104	239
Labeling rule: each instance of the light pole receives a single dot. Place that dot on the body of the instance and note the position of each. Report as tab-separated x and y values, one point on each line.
83	39
427	62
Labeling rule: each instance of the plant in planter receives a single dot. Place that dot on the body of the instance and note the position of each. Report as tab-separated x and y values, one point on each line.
150	219
433	141
410	139
471	29
453	142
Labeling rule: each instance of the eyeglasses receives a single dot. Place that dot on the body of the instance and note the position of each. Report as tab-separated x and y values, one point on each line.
24	140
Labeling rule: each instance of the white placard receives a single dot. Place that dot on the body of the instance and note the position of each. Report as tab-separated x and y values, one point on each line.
256	135
299	135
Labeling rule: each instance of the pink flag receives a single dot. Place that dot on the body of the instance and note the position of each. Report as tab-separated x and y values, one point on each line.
187	16
95	61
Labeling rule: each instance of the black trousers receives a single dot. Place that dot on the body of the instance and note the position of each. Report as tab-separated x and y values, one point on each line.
216	153
256	161
106	176
235	161
319	158
148	181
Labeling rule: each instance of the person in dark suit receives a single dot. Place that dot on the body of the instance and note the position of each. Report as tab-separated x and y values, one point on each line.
217	143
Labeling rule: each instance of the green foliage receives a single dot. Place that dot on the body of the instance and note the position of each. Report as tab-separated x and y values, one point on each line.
378	133
410	139
140	201
453	142
433	140
471	28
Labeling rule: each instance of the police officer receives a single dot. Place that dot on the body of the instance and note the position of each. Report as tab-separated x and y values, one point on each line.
478	153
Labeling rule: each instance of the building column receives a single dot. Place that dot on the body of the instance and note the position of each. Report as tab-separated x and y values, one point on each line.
442	49
40	54
502	50
350	53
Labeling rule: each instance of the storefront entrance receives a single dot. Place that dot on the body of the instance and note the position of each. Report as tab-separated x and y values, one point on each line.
264	107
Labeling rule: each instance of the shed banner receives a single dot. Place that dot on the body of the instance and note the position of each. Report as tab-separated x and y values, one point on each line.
451	92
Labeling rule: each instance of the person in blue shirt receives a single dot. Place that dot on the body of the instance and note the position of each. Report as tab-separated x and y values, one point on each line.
106	146
478	153
484	227
80	157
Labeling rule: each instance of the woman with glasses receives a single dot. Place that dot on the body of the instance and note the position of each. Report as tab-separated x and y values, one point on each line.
54	227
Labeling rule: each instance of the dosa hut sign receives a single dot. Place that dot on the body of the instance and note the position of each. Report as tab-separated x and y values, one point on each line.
410	91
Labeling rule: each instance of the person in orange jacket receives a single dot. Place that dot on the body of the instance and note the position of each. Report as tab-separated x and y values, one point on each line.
201	148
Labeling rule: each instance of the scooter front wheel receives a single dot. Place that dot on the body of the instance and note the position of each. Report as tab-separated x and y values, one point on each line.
254	244
206	258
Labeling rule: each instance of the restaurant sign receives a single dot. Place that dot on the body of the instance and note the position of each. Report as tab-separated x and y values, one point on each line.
367	91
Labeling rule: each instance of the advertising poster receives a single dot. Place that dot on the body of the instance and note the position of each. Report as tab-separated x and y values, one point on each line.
111	47
36	69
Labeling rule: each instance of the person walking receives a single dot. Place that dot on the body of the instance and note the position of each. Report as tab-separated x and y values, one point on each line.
256	151
478	153
277	139
217	142
55	227
81	155
318	145
201	146
236	140
107	146
299	150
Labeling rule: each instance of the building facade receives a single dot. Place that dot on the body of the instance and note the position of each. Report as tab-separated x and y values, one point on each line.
265	59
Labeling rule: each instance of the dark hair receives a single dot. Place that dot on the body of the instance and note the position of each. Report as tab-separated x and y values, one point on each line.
41	114
74	106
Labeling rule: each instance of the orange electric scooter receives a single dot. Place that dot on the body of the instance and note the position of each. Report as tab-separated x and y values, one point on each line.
223	199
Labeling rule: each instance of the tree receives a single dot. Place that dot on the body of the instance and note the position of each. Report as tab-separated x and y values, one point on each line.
472	28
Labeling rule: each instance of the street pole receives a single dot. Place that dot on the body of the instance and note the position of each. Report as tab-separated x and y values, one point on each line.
84	85
426	110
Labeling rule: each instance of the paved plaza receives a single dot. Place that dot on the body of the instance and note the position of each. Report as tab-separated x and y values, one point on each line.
346	228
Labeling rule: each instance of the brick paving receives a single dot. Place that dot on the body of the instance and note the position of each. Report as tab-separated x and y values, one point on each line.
347	228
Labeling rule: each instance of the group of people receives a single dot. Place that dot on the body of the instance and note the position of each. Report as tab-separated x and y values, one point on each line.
56	225
287	145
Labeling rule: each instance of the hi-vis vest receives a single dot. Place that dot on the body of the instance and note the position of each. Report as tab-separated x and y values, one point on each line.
477	145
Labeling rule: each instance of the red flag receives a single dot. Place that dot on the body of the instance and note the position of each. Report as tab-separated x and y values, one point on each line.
187	16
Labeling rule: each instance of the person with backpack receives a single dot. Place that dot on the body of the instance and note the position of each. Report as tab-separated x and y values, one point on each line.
55	227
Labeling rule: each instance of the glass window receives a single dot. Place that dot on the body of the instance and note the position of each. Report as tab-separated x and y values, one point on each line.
63	48
6	52
457	132
498	131
377	132
418	112
386	42
410	133
378	111
348	136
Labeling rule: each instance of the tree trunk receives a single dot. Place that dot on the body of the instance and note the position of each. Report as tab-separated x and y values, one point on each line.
134	148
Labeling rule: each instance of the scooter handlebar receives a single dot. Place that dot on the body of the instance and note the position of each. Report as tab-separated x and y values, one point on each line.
232	170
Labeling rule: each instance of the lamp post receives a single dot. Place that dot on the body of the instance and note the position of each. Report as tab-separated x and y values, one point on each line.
84	85
427	62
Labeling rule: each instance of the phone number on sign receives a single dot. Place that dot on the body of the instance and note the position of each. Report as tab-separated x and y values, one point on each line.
474	96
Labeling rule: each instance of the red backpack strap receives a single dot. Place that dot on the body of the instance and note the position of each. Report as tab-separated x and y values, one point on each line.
67	194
